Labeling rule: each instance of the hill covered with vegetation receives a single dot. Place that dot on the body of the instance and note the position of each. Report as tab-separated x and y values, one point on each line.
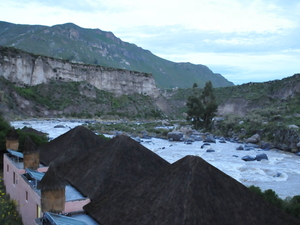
94	46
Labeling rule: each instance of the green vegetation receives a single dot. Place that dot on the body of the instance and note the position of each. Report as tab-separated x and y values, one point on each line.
93	46
8	213
5	128
289	205
266	121
82	100
202	108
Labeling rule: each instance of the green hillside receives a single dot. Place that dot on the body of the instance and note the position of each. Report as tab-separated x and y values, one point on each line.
94	46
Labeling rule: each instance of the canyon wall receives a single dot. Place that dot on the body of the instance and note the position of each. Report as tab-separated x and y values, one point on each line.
25	69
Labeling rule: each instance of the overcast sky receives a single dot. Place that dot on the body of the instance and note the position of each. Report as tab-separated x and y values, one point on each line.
244	40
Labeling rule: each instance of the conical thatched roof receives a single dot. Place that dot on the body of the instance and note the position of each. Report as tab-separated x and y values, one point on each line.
119	163
52	180
190	191
30	130
29	146
69	145
12	135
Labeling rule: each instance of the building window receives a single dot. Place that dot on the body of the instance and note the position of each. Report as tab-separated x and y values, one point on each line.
26	196
7	168
14	178
38	211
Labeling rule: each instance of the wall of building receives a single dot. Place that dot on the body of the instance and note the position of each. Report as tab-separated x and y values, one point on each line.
74	206
29	200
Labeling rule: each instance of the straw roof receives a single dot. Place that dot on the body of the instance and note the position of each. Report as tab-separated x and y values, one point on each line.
190	191
52	180
119	163
29	146
12	134
69	145
30	130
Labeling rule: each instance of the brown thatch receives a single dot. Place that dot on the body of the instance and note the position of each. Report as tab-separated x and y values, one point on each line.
12	140
52	191
69	145
190	191
52	179
29	146
12	144
32	161
30	130
12	135
31	154
53	201
119	163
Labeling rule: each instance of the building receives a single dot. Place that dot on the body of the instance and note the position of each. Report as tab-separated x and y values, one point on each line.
122	182
23	172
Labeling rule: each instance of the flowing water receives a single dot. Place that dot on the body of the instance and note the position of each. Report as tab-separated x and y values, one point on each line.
281	172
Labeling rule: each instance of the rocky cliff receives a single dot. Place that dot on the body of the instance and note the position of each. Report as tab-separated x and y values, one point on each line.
97	47
25	69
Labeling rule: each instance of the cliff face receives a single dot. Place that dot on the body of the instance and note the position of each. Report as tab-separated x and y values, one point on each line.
26	69
97	47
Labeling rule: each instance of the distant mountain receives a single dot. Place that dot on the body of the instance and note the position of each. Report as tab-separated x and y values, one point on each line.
94	46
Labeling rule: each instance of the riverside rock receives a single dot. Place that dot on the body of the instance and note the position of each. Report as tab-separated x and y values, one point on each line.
265	145
210	138
175	136
261	156
240	148
254	139
248	158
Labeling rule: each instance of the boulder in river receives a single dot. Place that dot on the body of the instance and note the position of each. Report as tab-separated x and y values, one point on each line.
248	158
175	136
261	156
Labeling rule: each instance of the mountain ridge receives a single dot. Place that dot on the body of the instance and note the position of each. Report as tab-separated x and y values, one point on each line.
94	46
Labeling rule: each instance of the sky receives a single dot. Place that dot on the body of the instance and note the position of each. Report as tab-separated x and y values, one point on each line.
244	40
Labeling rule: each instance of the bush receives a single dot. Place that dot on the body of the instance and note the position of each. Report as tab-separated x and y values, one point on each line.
38	140
289	205
292	206
8	212
4	128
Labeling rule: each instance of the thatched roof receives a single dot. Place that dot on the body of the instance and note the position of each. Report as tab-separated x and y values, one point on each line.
33	131
190	191
119	163
29	146
12	135
69	145
52	180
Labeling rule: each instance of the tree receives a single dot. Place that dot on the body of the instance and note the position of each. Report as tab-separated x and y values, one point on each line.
195	111
209	101
202	108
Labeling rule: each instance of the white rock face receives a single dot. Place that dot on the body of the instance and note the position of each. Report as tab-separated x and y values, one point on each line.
26	69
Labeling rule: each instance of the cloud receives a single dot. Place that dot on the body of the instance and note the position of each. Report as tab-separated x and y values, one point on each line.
243	40
243	68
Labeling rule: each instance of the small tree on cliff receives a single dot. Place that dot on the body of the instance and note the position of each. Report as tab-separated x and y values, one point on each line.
203	108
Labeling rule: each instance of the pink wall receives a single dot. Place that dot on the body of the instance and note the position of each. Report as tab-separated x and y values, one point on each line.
75	205
29	201
11	176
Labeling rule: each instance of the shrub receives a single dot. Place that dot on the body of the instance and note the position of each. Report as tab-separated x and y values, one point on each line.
292	206
289	205
8	212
